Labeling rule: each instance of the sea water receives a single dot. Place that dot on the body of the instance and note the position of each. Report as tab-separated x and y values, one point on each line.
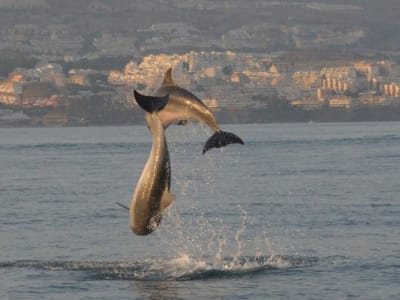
301	211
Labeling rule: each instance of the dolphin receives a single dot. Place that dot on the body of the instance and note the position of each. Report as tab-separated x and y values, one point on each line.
152	193
183	105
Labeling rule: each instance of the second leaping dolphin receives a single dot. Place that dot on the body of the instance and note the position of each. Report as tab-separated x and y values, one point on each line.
183	105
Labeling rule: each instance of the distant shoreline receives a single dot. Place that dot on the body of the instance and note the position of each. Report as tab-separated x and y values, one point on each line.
339	116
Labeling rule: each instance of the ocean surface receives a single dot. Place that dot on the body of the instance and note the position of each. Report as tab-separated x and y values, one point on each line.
301	211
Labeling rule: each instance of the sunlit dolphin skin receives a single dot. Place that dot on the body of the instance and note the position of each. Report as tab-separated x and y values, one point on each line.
183	105
152	193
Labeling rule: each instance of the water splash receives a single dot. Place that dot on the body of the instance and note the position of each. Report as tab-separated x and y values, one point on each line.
201	250
165	269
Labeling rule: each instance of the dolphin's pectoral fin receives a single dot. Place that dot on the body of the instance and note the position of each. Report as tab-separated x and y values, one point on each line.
123	206
221	139
150	103
167	200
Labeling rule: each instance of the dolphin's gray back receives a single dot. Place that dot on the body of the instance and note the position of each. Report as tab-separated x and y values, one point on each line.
183	105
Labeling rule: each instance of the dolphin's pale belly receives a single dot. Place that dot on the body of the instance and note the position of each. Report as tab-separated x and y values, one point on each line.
171	115
146	206
183	105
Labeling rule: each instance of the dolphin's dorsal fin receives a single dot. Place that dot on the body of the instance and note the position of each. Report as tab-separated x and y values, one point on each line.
168	78
167	200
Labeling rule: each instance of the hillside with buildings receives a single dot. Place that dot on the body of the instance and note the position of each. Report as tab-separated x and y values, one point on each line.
77	62
239	87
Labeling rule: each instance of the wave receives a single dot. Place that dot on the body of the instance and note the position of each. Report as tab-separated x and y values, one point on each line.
328	141
181	268
71	146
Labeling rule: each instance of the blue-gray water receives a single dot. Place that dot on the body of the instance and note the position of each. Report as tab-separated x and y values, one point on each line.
302	211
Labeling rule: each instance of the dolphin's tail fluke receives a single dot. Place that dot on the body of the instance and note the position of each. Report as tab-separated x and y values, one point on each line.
221	139
149	103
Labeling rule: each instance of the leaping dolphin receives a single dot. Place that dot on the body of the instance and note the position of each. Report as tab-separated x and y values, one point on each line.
183	105
152	194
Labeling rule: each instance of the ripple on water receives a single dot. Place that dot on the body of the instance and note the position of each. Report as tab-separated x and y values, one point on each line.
180	268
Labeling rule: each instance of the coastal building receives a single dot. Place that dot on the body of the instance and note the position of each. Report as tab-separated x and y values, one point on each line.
38	87
340	101
307	103
79	78
391	89
339	79
307	79
324	94
371	98
11	88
